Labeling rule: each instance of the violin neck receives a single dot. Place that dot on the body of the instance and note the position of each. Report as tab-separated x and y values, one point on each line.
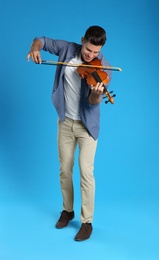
96	76
98	79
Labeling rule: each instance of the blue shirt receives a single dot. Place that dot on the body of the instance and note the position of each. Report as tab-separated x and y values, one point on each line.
89	114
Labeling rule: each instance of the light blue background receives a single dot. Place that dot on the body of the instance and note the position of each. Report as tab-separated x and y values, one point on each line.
126	221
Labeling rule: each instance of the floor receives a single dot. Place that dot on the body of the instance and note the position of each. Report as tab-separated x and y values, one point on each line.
122	230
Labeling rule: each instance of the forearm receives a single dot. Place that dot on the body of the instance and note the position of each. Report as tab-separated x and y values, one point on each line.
94	98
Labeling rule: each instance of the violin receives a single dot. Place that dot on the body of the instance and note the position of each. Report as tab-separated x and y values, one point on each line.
94	74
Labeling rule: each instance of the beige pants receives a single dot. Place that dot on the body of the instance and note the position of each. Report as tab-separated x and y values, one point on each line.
70	133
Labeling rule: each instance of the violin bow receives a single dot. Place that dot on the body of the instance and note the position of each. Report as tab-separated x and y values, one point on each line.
50	62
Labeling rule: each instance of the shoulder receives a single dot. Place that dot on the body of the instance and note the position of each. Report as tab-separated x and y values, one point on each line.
104	61
74	46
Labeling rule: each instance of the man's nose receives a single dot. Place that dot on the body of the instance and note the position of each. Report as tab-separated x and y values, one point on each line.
91	55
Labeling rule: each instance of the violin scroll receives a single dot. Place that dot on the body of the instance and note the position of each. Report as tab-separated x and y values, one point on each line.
109	97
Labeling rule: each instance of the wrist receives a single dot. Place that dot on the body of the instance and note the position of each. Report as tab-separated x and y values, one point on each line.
36	45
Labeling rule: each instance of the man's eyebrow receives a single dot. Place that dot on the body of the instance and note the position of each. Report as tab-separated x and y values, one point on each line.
91	50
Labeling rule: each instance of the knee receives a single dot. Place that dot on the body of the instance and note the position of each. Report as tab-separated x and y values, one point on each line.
66	170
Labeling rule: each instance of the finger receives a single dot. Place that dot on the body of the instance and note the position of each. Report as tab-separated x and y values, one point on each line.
91	87
37	58
100	90
100	87
96	88
28	57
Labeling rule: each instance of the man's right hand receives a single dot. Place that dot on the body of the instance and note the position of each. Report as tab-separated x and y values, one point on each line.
35	56
34	53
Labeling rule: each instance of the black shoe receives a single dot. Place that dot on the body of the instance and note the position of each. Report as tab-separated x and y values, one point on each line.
84	232
64	219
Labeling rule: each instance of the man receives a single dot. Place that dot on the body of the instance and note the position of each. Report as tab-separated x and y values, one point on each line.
78	108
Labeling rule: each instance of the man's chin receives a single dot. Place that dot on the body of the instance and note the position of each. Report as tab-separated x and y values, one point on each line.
87	60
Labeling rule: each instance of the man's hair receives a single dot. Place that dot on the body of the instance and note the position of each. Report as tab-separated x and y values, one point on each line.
96	35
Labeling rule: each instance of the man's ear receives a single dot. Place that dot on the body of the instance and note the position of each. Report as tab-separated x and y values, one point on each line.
82	40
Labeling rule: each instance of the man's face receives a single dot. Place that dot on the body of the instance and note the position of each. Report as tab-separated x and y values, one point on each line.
89	51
